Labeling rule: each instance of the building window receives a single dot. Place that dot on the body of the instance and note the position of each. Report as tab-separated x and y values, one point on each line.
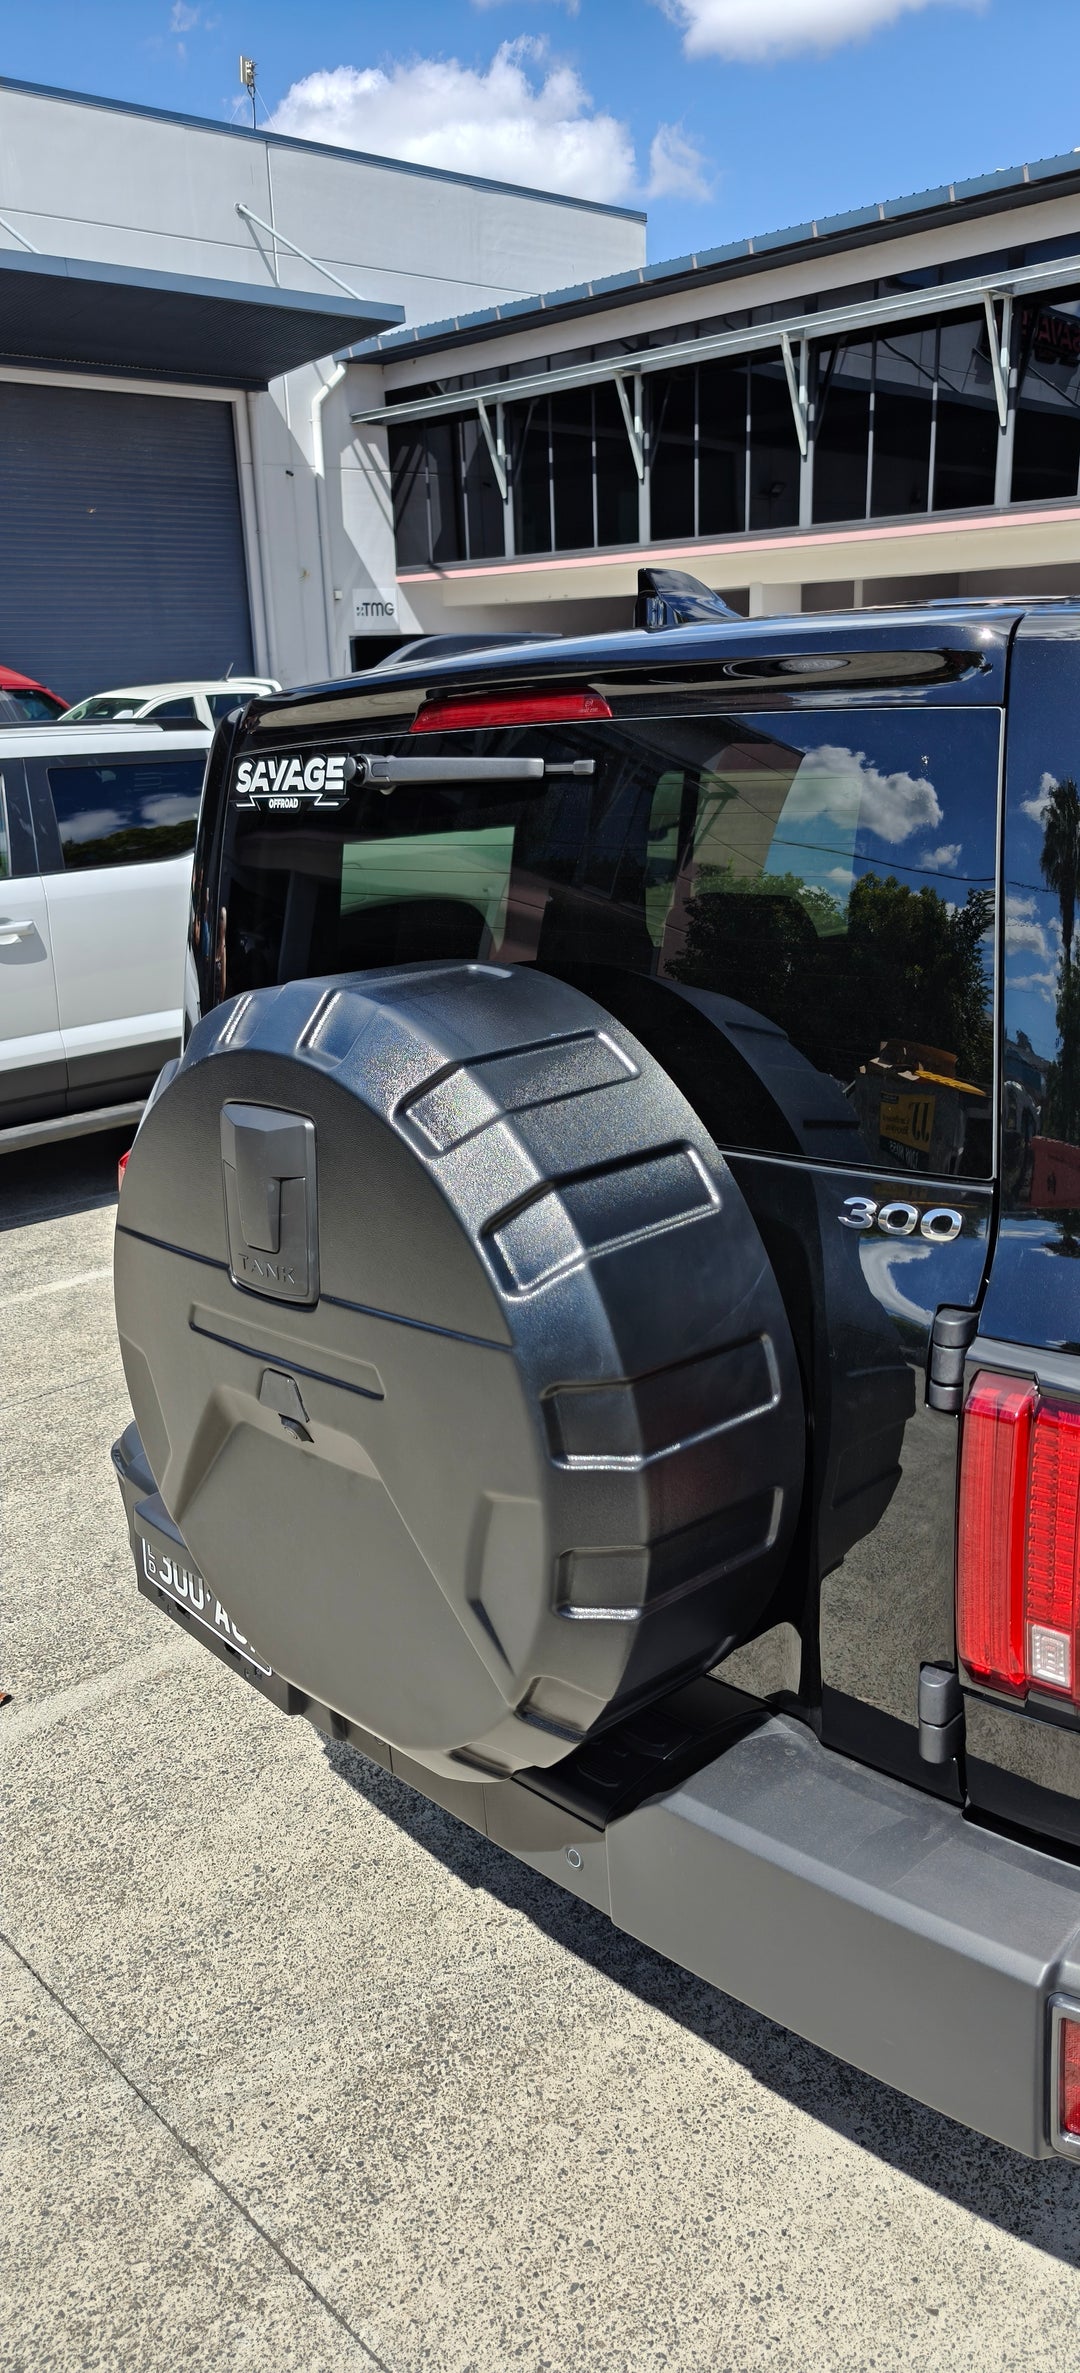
904	363
1046	436
722	444
616	475
845	377
905	422
774	446
446	503
967	428
673	453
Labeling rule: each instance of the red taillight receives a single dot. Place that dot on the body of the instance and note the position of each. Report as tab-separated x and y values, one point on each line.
1018	1539
122	1166
1051	1574
990	1532
452	715
1069	2074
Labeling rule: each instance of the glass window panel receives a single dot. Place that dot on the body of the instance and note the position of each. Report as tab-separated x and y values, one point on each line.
483	502
832	872
128	812
572	468
774	448
616	476
671	471
967	422
527	432
842	431
175	713
721	448
903	416
446	508
1046	435
408	475
36	707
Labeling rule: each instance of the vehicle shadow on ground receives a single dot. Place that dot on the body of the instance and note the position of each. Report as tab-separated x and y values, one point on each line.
76	1175
1037	2201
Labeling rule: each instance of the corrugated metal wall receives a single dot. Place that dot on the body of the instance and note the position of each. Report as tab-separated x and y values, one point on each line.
121	545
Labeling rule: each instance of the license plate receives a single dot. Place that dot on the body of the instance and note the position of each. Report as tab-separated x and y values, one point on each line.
185	1586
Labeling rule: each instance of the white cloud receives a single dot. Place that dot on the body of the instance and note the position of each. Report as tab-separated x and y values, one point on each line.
93	823
1044	982
676	166
757	29
182	18
1023	931
1036	808
842	784
943	859
522	119
166	807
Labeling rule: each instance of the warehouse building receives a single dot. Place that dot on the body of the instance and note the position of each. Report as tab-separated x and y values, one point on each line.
181	486
880	406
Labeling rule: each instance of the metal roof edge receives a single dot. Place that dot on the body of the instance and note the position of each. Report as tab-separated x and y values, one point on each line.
887	218
230	292
356	156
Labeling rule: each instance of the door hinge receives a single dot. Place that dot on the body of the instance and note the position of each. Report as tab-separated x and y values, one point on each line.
953	1333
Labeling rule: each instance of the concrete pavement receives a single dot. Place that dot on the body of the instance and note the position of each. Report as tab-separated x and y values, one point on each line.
300	2073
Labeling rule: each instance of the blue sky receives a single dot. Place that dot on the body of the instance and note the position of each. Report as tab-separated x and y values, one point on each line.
721	117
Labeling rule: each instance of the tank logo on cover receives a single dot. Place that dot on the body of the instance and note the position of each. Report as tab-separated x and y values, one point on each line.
317	778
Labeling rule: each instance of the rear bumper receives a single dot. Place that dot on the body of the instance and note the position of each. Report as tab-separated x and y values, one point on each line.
877	1922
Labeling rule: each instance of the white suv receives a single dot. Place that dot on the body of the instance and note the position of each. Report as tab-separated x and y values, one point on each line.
174	706
97	825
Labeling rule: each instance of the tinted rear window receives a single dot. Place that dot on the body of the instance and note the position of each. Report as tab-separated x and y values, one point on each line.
827	876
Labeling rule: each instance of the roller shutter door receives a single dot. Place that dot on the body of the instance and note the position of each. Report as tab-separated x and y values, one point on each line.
123	551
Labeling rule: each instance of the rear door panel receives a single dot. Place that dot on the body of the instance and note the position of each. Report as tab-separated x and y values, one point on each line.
118	927
33	1071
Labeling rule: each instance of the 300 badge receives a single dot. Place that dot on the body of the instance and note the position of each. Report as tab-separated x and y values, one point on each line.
939	1224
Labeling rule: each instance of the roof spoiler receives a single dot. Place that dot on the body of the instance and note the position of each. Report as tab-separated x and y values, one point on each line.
667	597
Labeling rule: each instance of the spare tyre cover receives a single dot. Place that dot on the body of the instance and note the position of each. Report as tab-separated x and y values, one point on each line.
457	1357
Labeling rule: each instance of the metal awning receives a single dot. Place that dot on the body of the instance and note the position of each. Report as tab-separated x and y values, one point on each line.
788	339
74	315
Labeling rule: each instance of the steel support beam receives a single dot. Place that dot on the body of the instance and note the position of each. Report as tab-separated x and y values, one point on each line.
796	389
634	423
493	439
917	304
305	258
999	351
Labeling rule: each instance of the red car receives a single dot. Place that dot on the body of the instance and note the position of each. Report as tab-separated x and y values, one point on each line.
34	702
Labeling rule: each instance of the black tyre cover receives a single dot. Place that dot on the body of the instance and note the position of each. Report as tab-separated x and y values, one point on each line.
457	1357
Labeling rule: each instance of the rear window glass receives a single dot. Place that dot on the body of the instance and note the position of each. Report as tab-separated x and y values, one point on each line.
715	882
128	811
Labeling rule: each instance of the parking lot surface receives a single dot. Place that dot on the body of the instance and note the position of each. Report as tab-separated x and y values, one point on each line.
301	2073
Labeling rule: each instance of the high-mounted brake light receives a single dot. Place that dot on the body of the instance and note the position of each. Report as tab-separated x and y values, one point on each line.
1018	1539
457	712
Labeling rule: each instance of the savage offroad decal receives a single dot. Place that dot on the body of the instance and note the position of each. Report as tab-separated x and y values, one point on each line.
297	780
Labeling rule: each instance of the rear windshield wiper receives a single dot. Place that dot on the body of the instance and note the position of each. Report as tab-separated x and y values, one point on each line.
328	779
385	773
